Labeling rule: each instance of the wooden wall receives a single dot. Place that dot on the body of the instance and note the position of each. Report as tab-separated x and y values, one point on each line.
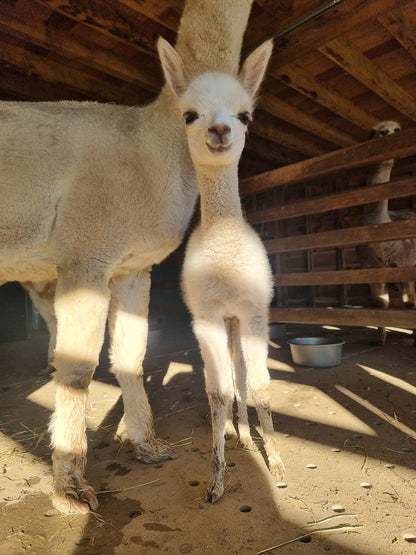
309	215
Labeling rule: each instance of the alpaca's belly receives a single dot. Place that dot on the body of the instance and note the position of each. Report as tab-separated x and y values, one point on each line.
38	265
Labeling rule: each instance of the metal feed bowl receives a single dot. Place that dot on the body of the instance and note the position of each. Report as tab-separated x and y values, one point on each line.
317	352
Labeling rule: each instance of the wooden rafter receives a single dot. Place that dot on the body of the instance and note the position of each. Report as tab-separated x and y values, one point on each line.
403	28
304	82
21	24
363	69
283	110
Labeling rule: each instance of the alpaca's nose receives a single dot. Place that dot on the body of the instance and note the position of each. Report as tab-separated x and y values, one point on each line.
220	129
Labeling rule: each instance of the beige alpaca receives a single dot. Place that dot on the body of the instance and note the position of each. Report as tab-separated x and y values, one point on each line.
388	253
226	278
92	196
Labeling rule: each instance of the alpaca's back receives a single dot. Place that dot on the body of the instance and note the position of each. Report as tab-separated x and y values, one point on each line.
87	178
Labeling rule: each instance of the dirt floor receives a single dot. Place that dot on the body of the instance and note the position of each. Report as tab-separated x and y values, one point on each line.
347	437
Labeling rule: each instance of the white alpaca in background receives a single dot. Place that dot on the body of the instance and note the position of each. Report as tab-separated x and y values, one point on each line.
400	253
227	281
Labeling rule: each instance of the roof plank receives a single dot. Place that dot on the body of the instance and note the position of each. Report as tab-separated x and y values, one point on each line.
333	24
283	110
266	129
366	71
304	82
403	28
27	25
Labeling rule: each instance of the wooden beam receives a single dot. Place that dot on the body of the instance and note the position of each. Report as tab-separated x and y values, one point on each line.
115	20
344	237
405	318
166	13
295	116
304	82
30	24
34	65
370	152
271	151
341	277
337	22
264	127
15	86
365	71
363	195
403	28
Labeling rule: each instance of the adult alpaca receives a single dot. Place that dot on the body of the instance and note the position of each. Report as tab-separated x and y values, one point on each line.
92	196
226	278
387	253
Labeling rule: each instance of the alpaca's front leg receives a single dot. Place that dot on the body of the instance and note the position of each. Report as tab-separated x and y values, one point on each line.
213	342
218	406
254	348
81	312
128	332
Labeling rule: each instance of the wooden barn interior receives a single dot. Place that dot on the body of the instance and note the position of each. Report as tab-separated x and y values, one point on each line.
338	68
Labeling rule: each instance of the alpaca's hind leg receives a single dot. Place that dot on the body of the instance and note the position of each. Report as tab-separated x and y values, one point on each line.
254	347
230	430
409	294
128	333
379	295
81	311
42	295
240	385
213	342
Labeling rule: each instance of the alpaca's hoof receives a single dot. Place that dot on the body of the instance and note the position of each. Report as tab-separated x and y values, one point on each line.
154	451
47	370
277	468
71	502
248	444
230	430
214	492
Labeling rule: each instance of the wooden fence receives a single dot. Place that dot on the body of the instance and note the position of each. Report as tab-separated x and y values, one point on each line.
371	152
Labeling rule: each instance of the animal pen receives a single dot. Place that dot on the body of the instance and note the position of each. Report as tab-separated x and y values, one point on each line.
319	250
346	434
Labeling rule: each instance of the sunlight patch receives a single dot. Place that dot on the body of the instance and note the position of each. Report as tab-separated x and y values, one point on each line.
174	369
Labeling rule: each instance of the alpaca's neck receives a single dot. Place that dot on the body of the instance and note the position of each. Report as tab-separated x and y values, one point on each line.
219	195
210	34
377	212
209	38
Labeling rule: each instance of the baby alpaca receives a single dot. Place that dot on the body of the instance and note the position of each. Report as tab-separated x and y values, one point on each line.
227	281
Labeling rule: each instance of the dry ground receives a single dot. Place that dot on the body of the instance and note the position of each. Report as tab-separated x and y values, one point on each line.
355	422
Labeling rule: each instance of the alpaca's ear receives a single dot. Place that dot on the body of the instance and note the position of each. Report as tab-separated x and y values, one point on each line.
173	68
252	72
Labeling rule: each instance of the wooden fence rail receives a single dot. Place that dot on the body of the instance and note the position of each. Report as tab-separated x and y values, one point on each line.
371	152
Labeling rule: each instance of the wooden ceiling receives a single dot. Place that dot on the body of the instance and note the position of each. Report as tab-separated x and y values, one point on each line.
332	76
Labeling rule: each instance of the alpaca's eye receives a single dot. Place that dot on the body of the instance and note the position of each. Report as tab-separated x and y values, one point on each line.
244	117
190	117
